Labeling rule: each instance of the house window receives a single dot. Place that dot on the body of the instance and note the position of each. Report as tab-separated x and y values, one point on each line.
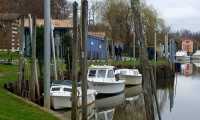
92	43
100	46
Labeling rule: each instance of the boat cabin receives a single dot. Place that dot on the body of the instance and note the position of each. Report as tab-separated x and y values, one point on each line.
101	72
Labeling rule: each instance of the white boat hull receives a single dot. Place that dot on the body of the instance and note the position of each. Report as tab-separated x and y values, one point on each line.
182	58
131	80
195	57
107	87
61	102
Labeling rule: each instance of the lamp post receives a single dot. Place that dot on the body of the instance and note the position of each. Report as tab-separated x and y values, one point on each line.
47	49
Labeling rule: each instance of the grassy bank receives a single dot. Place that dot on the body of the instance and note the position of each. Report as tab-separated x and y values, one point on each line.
130	63
12	108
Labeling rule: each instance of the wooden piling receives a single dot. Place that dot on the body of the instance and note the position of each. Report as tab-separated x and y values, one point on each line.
145	66
21	59
33	45
74	113
84	34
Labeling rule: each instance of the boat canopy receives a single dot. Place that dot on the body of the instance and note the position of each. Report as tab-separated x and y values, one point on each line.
197	53
181	53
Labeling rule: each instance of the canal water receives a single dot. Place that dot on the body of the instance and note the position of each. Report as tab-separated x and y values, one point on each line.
178	99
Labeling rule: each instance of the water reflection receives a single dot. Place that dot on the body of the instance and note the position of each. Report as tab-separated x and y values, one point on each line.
178	99
187	69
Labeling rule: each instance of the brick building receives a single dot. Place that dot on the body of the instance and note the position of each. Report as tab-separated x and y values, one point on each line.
187	45
9	35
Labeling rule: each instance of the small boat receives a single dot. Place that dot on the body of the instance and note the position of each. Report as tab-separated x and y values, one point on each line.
61	95
196	56
181	56
131	76
102	79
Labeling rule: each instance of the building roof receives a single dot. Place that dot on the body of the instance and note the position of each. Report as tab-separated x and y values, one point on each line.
97	34
57	23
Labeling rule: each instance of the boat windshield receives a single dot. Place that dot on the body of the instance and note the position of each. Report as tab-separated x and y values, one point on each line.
110	74
92	73
101	74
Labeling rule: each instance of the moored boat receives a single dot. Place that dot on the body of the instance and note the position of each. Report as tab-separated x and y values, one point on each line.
131	76
181	56
196	56
61	96
102	79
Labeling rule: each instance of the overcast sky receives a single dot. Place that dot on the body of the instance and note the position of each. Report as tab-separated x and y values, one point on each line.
179	14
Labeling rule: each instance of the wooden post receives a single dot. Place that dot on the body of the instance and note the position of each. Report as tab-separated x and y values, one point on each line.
21	59
155	55
54	52
153	85
155	46
74	115
33	45
84	35
135	4
36	81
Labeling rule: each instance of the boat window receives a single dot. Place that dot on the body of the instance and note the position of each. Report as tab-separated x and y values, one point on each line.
55	89
67	89
110	74
101	74
92	73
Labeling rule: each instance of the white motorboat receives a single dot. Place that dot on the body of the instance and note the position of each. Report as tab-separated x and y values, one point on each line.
181	56
196	56
131	76
102	79
61	96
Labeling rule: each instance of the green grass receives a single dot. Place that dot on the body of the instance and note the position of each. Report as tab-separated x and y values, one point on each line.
9	55
12	108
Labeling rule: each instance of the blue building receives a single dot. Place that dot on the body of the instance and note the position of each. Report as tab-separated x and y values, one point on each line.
96	42
97	46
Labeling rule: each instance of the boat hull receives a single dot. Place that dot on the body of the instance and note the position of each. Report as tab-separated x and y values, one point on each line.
107	88
131	80
195	57
61	102
182	58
